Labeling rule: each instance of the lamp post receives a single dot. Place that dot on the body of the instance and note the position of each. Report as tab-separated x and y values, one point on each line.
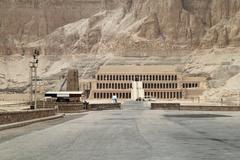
33	79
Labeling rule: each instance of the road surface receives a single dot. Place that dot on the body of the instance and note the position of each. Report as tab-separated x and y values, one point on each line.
130	134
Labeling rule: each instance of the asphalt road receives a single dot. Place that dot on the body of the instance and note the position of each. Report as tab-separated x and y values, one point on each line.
129	134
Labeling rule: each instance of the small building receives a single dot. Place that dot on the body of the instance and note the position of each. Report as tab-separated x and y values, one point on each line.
159	82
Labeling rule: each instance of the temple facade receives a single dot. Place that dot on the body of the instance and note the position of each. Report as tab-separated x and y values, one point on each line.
159	82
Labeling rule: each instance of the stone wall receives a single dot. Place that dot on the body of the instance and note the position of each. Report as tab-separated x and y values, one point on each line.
209	108
79	107
18	116
105	106
70	107
177	106
165	106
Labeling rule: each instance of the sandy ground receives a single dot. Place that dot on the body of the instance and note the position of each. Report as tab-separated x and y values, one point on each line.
12	106
13	102
14	97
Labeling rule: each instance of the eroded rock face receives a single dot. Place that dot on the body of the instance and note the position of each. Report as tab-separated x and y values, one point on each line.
119	28
139	27
24	21
147	27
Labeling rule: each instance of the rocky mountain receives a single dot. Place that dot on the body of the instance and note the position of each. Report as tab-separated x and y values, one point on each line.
126	27
24	21
201	36
149	27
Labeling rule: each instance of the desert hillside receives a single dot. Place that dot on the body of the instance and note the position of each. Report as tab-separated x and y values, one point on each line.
24	21
147	27
200	36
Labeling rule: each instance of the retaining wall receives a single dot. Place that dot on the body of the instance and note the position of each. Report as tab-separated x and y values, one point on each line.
18	116
70	107
178	106
165	106
79	107
105	106
209	108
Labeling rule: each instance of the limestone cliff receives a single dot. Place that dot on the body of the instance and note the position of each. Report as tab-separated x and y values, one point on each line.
201	36
24	21
147	27
123	27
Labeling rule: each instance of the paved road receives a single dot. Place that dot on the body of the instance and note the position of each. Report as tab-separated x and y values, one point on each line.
132	134
9	134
